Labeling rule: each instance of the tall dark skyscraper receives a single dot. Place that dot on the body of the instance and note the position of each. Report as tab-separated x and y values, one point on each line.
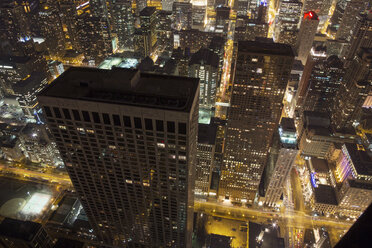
357	83
324	82
128	140
260	78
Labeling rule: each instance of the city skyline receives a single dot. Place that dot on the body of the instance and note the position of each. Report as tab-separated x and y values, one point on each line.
162	123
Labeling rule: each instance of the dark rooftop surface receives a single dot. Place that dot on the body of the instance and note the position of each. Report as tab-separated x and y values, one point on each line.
287	124
325	194
125	86
68	243
205	57
265	48
17	229
207	133
147	11
218	241
319	165
14	59
360	184
362	159
30	84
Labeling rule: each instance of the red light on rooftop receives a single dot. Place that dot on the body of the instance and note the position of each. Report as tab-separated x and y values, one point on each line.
311	15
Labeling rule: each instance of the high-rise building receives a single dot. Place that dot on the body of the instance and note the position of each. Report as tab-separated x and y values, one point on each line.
362	36
260	78
128	140
204	65
354	89
249	29
68	12
286	22
52	30
17	233
353	171
350	18
148	21
324	82
284	163
17	68
94	37
306	35
199	15
205	158
182	15
14	23
122	21
164	31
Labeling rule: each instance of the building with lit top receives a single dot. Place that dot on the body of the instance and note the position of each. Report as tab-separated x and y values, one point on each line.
129	142
260	78
308	28
284	163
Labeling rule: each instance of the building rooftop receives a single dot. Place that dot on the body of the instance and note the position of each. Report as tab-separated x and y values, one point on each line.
311	15
287	124
265	48
319	165
316	119
360	184
204	57
207	133
325	194
11	60
17	229
125	86
147	11
362	159
63	243
29	84
218	241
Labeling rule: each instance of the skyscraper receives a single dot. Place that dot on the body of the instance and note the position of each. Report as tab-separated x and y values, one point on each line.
128	140
204	65
287	155
362	35
349	19
148	20
260	78
354	89
306	35
286	23
122	22
324	82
